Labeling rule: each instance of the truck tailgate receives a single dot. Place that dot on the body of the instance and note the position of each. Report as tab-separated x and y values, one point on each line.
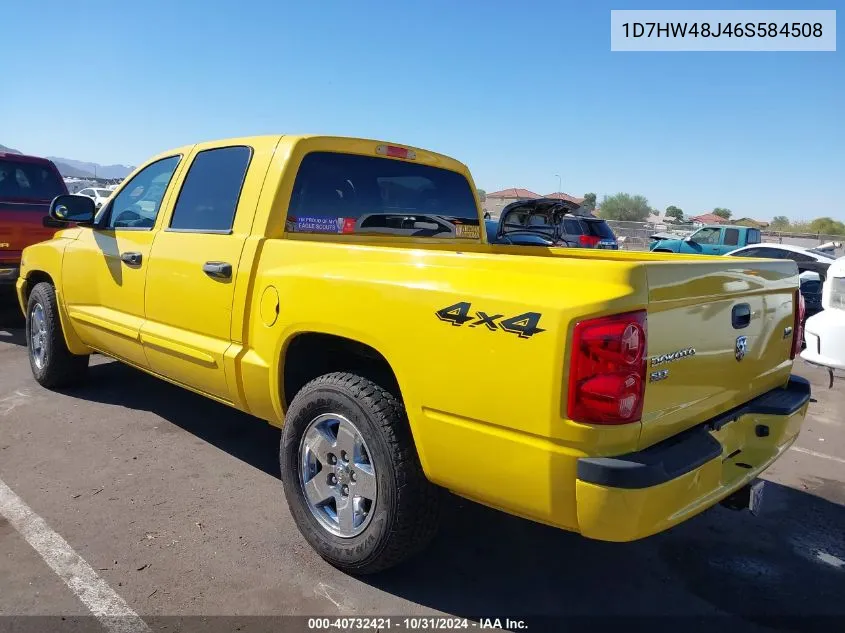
719	334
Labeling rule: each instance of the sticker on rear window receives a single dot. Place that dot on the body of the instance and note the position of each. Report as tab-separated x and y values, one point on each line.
467	231
318	224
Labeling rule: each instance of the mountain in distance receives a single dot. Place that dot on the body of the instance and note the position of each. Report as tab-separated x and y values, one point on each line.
83	169
70	168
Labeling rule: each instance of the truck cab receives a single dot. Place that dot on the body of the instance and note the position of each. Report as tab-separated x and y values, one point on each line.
708	240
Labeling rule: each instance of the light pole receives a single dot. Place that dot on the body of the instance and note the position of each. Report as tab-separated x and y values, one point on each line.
559	189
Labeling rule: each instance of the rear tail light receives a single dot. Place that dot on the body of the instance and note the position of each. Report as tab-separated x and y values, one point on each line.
590	241
607	369
798	327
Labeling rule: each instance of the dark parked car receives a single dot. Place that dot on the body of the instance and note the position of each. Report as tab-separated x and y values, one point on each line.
547	222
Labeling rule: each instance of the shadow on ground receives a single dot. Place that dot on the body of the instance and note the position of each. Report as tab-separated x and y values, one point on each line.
242	436
11	319
722	570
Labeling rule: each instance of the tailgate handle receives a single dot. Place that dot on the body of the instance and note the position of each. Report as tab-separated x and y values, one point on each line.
741	316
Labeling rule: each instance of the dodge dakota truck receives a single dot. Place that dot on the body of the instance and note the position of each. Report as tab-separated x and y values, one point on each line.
610	393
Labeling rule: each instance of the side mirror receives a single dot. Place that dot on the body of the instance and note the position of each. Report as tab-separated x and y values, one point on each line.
73	209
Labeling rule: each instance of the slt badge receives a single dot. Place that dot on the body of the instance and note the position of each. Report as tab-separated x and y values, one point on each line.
741	348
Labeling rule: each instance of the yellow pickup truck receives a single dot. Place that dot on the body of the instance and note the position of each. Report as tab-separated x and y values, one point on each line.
343	289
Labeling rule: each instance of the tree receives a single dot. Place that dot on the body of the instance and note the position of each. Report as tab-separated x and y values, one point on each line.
674	212
482	195
624	206
827	226
589	201
779	223
722	212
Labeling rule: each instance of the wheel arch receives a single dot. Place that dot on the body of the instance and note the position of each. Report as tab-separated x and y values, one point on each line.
308	353
37	276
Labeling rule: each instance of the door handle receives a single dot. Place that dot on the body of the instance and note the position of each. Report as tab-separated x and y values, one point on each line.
741	316
218	270
133	259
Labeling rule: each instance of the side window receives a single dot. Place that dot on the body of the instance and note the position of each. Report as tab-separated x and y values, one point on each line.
749	252
731	237
137	204
770	253
209	196
753	236
85	192
707	236
799	257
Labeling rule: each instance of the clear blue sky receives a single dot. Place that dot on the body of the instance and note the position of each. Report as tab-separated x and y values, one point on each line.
518	91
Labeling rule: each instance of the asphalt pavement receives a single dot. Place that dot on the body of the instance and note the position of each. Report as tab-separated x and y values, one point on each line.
175	502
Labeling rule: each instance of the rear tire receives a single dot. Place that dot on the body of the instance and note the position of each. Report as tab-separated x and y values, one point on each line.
325	416
53	366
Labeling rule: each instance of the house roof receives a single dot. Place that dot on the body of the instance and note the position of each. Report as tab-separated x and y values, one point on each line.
758	223
709	218
559	195
514	192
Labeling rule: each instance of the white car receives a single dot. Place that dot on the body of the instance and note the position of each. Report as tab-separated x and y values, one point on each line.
824	333
798	254
97	194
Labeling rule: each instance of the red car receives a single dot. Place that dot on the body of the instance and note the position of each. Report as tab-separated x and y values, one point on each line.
27	186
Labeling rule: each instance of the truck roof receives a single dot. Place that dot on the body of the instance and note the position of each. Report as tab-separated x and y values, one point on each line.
26	158
424	155
727	226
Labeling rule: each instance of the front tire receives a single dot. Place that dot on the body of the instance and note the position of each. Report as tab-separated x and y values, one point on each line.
352	477
53	366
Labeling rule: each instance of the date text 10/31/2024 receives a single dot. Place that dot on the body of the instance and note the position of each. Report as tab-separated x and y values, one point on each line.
415	623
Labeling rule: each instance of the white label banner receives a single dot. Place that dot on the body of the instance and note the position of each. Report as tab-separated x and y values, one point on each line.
723	30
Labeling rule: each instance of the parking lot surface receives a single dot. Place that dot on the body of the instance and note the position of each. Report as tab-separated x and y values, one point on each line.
175	502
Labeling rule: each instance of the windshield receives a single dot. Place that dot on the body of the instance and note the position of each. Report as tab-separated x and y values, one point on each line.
28	181
824	254
349	193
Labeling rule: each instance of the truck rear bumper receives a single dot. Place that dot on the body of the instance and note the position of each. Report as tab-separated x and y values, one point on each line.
632	496
8	274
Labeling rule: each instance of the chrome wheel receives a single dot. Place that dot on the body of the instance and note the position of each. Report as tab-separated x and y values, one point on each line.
38	336
337	475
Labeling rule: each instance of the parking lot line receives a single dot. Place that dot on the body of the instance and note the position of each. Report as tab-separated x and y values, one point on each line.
108	607
807	451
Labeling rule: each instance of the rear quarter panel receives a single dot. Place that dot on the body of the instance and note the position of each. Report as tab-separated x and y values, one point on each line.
484	405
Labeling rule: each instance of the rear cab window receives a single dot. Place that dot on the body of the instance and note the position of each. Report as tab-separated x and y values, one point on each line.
355	194
26	180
